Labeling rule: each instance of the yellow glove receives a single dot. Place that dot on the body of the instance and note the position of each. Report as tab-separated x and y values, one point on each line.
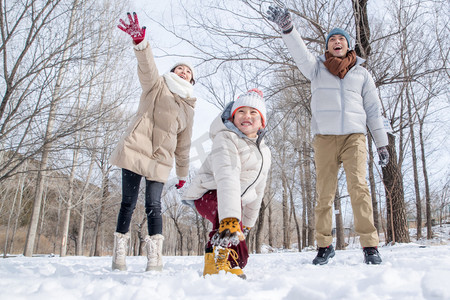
229	233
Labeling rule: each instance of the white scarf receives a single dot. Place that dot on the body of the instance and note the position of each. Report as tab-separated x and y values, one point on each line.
178	85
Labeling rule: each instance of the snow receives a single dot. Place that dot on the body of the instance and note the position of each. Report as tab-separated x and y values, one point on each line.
419	270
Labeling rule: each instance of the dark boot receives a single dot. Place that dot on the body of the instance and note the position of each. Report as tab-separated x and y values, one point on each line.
371	256
324	255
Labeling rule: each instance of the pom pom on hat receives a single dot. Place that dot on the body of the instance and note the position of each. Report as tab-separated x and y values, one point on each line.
339	31
252	98
187	64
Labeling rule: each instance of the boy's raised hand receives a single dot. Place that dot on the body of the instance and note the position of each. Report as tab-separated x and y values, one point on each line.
229	233
133	29
281	17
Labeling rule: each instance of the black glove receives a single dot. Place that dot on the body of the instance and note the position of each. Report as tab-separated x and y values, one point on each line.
281	17
383	154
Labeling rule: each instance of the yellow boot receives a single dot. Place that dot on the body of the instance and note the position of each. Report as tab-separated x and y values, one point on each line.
210	265
222	263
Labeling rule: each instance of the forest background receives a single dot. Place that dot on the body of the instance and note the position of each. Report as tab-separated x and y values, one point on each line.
69	86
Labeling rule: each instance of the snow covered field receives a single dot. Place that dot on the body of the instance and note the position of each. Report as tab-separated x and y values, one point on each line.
409	271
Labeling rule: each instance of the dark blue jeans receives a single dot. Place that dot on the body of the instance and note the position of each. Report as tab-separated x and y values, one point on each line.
130	192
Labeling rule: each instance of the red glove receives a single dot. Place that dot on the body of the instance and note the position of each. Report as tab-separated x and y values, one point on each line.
180	184
137	33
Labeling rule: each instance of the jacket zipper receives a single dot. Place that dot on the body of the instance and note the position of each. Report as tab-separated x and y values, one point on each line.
260	170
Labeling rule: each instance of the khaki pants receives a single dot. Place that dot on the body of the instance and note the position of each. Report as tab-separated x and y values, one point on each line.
330	151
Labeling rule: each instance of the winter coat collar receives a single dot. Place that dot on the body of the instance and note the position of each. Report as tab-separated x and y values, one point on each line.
359	60
178	86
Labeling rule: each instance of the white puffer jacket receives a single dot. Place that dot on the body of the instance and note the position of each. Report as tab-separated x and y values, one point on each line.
237	168
339	106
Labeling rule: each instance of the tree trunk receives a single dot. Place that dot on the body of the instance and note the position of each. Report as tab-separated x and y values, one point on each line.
362	47
310	201
37	202
301	172
270	224
340	239
427	186
397	228
180	238
41	219
140	239
105	196
286	227
267	199
411	118
415	172
17	196
201	242
373	193
297	225
68	210
16	222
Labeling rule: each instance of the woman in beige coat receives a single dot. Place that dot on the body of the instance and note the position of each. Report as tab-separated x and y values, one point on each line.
160	132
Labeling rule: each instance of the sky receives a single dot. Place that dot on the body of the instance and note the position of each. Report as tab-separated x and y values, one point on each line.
160	41
417	270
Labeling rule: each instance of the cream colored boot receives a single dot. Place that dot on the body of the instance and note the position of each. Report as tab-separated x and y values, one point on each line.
120	251
153	245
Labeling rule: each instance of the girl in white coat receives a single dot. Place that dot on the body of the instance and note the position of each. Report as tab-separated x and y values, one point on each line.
229	187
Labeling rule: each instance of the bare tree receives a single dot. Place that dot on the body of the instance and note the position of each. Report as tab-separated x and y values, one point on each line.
340	239
56	97
396	213
18	196
176	211
267	199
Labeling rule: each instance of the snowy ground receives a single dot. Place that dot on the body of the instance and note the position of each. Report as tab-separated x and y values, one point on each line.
409	271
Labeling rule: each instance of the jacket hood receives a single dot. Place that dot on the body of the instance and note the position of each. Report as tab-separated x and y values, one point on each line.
223	123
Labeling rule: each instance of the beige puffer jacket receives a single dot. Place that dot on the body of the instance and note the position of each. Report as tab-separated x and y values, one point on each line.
160	131
237	168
